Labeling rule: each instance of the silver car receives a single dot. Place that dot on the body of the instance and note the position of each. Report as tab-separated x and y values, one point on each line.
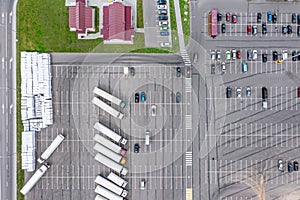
239	92
280	165
248	91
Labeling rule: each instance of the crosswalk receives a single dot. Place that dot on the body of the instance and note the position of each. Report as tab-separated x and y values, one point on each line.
188	158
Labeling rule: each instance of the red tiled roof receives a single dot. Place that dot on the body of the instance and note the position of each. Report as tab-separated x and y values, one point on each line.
80	17
117	22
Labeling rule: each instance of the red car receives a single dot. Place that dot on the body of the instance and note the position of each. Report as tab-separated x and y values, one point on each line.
299	92
238	54
234	18
228	16
249	29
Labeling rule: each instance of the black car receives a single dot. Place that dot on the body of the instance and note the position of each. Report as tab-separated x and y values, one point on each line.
289	29
136	97
290	166
213	69
223	28
178	97
264	57
249	55
219	17
162	17
298	31
275	55
274	19
162	2
296	166
298	55
264	92
136	148
258	17
132	71
294	57
293	18
178	72
164	33
228	92
264	28
284	29
298	19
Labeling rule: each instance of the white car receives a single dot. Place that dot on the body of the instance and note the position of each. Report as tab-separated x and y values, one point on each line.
162	7
284	54
280	165
248	91
239	92
213	55
218	55
254	54
165	44
223	67
142	184
163	23
233	54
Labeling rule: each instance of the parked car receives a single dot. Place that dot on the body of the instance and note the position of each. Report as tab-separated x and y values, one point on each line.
284	54
163	23
132	71
228	92
248	91
234	18
269	16
264	28
223	28
227	55
249	29
178	72
162	12
223	67
213	55
164	33
161	2
162	17
298	19
218	55
136	148
143	96
296	166
280	165
284	29
298	55
233	54
264	57
142	184
219	16
165	44
254	30
213	69
275	55
136	97
298	92
294	57
254	53
249	55
274	18
238	92
298	31
238	54
290	166
294	17
289	29
178	97
163	28
153	110
244	66
258	17
227	16
264	93
162	7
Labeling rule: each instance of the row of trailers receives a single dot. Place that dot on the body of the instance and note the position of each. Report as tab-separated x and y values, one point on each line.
109	152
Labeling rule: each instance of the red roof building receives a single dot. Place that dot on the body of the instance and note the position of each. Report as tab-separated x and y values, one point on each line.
81	18
117	22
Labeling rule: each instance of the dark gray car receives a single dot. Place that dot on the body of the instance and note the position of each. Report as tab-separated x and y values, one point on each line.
178	97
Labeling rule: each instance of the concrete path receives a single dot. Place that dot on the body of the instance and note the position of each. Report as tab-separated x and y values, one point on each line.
179	25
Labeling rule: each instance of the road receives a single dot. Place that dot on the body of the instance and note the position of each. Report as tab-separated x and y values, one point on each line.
7	97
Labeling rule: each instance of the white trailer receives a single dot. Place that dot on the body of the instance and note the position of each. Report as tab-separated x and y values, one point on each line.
110	154
109	133
126	70
117	179
111	186
109	97
107	194
53	146
111	164
109	144
35	178
110	110
98	197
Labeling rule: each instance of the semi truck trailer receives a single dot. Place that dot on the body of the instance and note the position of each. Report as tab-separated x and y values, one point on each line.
109	144
35	178
109	97
109	133
110	110
53	146
110	154
117	179
111	186
111	164
107	194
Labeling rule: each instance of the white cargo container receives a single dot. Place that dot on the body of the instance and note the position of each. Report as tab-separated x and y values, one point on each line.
109	144
109	97
53	146
111	186
35	178
117	179
110	154
109	133
111	164
110	110
107	194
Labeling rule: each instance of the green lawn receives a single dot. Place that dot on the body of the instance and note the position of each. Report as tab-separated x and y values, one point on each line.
175	42
140	16
185	8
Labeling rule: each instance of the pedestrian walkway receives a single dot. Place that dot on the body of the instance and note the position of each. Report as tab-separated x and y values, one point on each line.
179	25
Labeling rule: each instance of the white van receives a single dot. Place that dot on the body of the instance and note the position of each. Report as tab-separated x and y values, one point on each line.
147	138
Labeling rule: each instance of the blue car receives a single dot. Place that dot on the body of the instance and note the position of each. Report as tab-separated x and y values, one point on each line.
269	16
244	67
143	96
